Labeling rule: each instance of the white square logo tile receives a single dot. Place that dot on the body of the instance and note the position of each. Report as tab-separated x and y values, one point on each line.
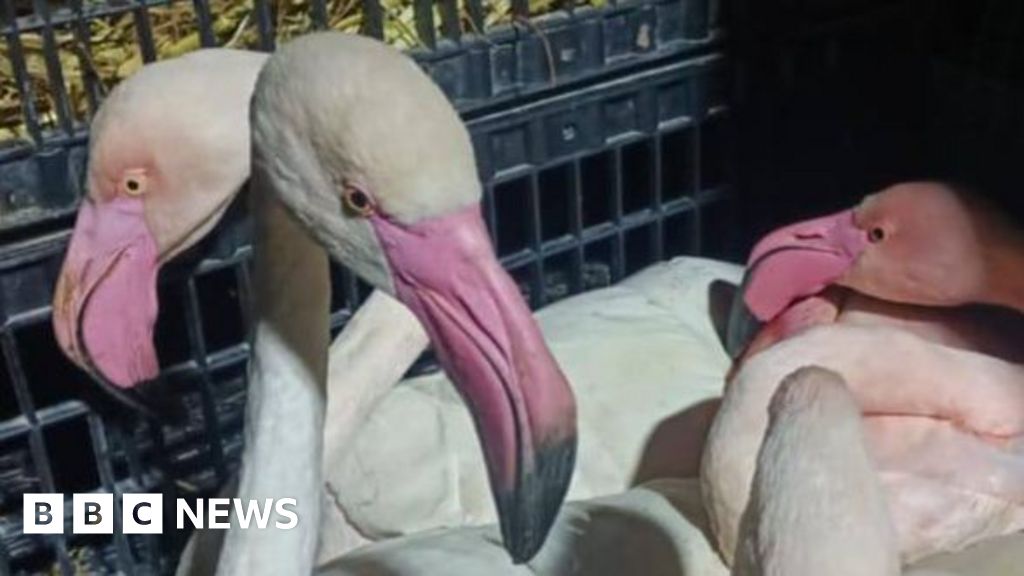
43	513
142	513
93	514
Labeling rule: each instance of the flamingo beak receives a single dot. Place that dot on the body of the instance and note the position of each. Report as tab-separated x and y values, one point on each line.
789	264
105	303
486	339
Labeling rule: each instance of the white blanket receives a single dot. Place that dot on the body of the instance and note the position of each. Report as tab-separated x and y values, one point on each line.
657	529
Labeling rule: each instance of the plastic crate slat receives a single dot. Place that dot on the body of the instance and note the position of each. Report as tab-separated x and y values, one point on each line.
450	21
20	427
17	57
80	29
101	452
198	344
423	16
319	14
54	71
265	24
204	23
36	442
144	31
521	8
373	19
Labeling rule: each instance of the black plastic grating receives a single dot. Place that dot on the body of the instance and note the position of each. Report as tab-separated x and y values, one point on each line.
585	182
52	50
582	186
59	444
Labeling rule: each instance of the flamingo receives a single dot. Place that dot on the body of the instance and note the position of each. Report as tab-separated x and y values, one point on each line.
408	224
943	389
638	354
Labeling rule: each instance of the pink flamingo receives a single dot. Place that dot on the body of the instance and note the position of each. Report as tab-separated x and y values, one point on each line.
943	393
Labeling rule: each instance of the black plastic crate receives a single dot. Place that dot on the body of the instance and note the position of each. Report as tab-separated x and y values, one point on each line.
41	176
565	47
614	177
621	159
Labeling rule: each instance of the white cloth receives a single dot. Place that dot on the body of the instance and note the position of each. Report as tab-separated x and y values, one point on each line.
656	529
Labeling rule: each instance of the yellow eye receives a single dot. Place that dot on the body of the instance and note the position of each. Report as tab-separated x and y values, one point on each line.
357	201
134	184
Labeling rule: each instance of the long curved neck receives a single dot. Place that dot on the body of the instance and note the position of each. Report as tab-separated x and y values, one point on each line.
285	410
816	505
372	353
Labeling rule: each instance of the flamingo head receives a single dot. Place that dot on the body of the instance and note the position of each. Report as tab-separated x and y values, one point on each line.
366	152
168	151
923	243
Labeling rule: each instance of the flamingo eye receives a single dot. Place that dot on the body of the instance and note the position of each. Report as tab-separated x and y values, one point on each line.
133	184
876	235
358	201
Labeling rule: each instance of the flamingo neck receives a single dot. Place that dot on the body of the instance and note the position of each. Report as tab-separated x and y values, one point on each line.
813	458
376	348
285	410
372	353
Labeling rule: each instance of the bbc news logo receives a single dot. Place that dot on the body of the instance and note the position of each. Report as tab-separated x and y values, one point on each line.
144	513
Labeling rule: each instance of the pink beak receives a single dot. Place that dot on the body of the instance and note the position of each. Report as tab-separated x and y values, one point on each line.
105	305
445	271
789	264
801	260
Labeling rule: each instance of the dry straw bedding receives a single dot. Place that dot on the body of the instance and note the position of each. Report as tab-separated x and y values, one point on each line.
113	50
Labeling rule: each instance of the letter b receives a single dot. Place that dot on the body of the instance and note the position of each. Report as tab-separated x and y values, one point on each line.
93	514
43	513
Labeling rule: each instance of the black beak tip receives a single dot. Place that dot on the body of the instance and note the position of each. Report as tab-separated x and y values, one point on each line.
148	399
528	512
743	326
